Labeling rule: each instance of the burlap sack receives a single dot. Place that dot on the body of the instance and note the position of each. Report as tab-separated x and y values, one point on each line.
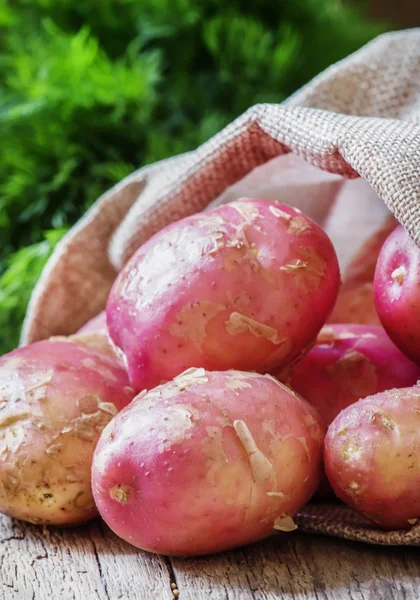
359	118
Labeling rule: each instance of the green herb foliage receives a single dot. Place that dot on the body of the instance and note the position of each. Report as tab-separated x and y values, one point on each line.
90	90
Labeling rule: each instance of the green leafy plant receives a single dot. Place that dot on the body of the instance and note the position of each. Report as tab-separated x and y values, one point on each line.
89	91
17	282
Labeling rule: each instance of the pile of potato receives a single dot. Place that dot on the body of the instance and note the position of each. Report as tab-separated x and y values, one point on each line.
240	396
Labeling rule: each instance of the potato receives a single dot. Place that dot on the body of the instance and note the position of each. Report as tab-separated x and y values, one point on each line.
96	341
349	362
397	292
247	285
356	300
55	398
372	457
363	264
209	461
355	304
94	334
95	325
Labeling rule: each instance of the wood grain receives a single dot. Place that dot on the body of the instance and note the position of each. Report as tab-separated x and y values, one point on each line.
85	563
296	566
91	563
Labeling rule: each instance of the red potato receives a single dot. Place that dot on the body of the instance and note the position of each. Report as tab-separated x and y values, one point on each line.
96	341
94	334
356	301
247	285
96	325
349	362
55	398
397	292
362	267
355	304
372	457
207	462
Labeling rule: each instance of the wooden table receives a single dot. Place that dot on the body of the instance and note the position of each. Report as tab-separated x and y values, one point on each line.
91	563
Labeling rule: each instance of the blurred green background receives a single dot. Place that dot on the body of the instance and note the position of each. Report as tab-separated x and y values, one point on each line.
91	90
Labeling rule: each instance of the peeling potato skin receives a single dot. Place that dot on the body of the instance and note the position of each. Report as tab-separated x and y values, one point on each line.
247	285
372	457
397	292
55	399
349	362
207	462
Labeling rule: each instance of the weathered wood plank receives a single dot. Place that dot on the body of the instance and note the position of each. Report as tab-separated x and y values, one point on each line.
129	573
34	566
302	567
86	563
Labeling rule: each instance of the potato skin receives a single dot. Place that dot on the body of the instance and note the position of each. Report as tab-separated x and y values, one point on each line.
95	325
207	462
247	286
397	292
355	304
349	362
98	342
372	457
356	298
56	396
94	334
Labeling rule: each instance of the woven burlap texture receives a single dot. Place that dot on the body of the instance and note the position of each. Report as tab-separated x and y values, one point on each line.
359	118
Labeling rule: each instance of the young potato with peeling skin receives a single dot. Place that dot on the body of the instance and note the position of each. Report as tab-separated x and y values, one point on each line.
56	396
247	285
207	462
397	292
349	362
372	457
356	299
